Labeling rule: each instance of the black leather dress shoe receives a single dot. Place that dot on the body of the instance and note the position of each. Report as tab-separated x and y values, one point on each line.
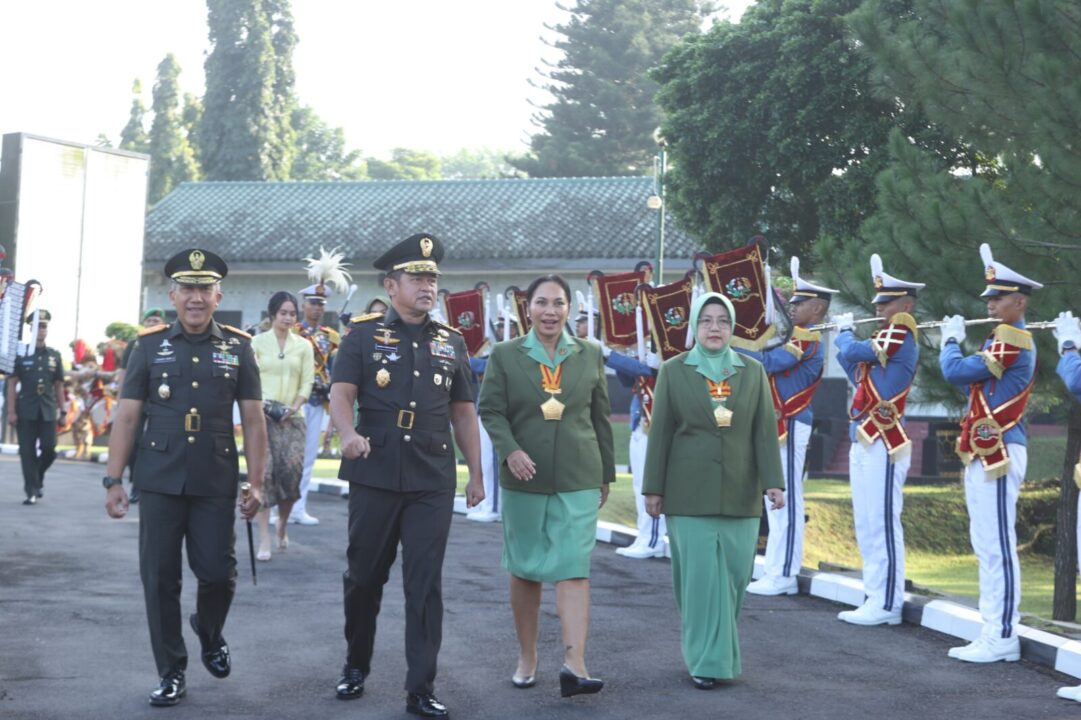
523	682
425	705
30	500
133	496
351	683
571	684
216	659
171	689
704	683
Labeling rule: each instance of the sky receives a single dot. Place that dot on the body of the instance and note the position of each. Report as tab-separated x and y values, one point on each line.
434	75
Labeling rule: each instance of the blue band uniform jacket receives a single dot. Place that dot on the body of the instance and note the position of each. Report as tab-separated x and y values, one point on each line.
406	378
187	385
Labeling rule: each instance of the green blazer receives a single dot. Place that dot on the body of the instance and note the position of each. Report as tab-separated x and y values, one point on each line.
702	469
574	453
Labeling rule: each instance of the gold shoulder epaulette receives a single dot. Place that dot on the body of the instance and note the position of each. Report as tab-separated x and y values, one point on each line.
150	331
447	327
335	338
365	317
794	350
1013	336
903	318
235	331
805	335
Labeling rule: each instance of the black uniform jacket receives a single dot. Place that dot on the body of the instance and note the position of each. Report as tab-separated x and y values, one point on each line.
406	378
188	384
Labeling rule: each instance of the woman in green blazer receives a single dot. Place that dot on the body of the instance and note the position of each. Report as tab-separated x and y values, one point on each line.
544	402
712	452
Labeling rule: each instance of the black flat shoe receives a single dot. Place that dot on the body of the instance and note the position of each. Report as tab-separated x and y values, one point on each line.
30	500
216	659
133	497
425	705
170	690
704	683
350	684
571	684
523	682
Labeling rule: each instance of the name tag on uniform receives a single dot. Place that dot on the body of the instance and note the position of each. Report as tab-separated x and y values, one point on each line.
166	359
442	349
222	358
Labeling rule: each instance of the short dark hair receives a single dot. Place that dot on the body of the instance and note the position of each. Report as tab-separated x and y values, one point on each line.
280	298
395	275
532	289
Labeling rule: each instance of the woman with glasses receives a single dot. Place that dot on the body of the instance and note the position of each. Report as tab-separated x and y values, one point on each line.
712	453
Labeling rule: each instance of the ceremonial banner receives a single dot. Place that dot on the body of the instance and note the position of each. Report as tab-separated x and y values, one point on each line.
465	313
667	309
616	301
521	308
740	276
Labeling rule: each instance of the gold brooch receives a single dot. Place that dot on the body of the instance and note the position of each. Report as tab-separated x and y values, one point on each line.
382	378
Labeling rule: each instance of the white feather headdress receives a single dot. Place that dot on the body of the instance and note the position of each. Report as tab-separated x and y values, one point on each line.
328	269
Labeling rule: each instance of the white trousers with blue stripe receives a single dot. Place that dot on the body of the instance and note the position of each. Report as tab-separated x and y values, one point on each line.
784	546
651	531
877	500
992	516
489	467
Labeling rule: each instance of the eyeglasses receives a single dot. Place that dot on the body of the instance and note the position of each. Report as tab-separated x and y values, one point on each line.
720	322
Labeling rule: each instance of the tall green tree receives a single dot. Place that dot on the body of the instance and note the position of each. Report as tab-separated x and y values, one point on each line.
320	151
245	131
772	127
406	164
133	137
602	117
172	160
190	116
1003	77
479	164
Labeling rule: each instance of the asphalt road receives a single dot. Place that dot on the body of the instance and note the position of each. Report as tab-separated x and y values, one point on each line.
74	643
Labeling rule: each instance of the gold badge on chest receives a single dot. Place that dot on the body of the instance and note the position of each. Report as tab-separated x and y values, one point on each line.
382	378
551	380
719	392
722	416
163	390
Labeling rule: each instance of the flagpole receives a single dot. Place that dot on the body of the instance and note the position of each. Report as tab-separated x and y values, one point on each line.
656	201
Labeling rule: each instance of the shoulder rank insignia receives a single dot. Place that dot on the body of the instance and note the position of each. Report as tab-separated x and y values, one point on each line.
150	331
444	326
365	317
235	331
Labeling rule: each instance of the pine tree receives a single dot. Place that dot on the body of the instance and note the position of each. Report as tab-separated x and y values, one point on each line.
244	133
133	137
1004	77
320	152
172	160
602	118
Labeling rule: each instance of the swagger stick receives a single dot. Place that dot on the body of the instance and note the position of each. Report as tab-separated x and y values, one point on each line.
245	493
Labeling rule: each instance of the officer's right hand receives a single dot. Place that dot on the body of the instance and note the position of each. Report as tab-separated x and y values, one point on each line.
116	501
355	446
844	321
654	505
521	465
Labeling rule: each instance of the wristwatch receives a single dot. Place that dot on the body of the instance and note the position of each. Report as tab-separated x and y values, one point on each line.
107	482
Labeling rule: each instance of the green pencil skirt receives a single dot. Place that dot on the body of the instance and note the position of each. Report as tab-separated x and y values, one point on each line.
712	562
548	538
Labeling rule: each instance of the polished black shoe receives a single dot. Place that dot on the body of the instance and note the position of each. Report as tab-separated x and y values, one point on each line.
171	689
216	659
523	682
704	683
30	500
571	684
133	496
425	705
351	684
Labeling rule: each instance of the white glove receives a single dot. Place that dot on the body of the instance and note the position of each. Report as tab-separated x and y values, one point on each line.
954	329
844	321
1067	330
653	360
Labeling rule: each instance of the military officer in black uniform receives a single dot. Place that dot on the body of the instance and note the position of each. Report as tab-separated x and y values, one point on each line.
34	410
411	377
185	377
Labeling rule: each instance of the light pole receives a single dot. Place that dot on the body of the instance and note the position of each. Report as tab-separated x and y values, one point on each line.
656	200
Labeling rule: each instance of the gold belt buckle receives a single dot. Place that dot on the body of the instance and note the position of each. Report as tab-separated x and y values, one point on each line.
193	422
402	418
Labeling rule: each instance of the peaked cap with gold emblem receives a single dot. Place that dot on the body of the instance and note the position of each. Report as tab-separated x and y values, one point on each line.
887	287
1001	280
417	254
196	267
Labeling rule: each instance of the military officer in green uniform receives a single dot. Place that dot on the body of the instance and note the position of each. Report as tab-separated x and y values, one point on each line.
411	377
185	378
33	411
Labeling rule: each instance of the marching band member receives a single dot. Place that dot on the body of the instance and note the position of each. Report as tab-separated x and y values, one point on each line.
882	369
1068	333
794	371
993	447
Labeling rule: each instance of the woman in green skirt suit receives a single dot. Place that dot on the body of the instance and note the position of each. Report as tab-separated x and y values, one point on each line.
712	453
544	402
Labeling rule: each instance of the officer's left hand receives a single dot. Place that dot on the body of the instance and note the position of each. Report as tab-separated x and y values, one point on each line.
604	493
954	329
116	501
474	492
776	498
250	505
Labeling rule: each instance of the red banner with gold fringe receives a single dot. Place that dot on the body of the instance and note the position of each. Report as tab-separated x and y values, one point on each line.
740	276
667	309
616	300
465	313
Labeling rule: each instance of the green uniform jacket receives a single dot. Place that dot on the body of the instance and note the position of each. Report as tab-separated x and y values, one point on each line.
574	453
702	469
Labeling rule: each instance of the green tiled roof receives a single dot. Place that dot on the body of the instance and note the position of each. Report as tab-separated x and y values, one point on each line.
563	218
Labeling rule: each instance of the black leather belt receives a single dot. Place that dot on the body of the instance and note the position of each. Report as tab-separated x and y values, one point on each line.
190	423
404	419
